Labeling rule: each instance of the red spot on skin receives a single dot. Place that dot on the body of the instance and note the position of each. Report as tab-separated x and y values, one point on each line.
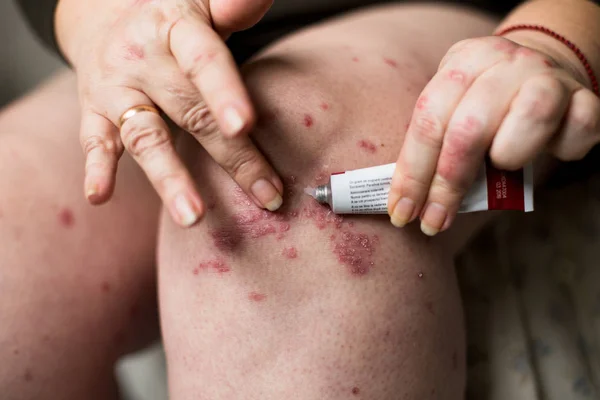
211	205
290	252
454	360
548	63
215	265
420	275
429	307
254	296
505	46
134	52
284	227
46	338
355	59
226	239
368	146
387	333
195	271
457	76
324	106
308	121
406	126
105	287
355	250
16	352
422	102
392	63
28	376
66	218
525	51
355	391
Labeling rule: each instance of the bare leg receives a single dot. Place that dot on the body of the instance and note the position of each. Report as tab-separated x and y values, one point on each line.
302	305
77	283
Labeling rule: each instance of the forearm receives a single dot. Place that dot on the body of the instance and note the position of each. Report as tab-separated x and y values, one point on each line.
577	20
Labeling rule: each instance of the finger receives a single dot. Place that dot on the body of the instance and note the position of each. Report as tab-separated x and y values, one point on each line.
207	62
418	158
466	141
235	15
146	137
535	115
102	148
581	129
182	102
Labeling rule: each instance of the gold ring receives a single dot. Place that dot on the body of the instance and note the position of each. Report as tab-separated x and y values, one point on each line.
136	110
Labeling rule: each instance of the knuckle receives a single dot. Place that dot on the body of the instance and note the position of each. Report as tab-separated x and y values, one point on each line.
540	99
449	188
464	139
142	140
96	142
199	121
587	119
241	162
411	183
428	130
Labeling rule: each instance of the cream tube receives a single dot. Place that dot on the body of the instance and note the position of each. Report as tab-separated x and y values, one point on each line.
365	191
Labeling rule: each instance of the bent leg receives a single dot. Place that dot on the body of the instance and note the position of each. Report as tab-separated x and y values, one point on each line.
302	304
77	283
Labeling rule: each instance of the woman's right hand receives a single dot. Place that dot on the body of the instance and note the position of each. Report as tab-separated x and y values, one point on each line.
169	54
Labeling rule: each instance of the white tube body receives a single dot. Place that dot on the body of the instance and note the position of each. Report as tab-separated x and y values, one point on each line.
365	191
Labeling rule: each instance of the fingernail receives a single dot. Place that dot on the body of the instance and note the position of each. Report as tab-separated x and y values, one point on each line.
402	212
188	214
92	193
233	120
266	193
433	219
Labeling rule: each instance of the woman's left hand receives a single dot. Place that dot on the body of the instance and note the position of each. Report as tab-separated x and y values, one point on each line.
489	96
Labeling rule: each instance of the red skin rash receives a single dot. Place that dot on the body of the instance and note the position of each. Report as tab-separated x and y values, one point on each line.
457	76
308	121
66	218
324	106
422	103
355	59
257	297
355	391
352	248
367	146
355	250
546	62
134	52
216	265
390	62
290	252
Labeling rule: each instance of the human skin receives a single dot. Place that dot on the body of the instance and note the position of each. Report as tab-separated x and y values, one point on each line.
543	102
77	283
301	304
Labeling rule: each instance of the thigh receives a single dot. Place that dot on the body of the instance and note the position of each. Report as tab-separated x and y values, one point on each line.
77	283
302	304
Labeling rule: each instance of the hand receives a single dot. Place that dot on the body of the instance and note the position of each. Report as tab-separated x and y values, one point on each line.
170	54
489	95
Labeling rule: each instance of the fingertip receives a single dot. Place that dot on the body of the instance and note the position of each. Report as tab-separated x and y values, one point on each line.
187	209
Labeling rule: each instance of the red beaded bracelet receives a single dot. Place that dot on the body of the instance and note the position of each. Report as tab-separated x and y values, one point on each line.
562	39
